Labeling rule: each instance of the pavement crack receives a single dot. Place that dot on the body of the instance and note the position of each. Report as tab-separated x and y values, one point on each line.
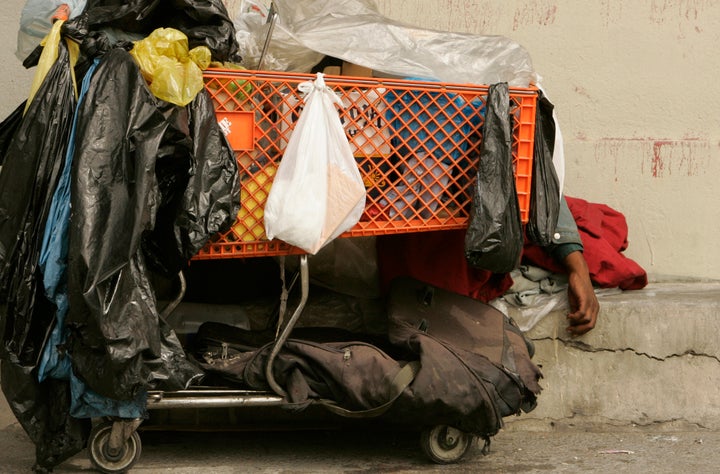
582	346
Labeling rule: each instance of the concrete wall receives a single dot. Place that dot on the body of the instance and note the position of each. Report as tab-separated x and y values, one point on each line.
15	80
633	85
652	361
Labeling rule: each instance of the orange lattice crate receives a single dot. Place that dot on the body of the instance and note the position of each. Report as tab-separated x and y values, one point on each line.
416	144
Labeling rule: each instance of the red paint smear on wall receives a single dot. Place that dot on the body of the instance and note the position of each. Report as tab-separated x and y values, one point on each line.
657	161
685	157
541	12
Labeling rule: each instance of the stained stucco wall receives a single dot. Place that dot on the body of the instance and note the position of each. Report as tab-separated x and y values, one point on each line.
15	79
633	82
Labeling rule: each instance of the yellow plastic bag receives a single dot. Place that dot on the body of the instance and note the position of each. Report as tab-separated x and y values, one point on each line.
48	57
172	70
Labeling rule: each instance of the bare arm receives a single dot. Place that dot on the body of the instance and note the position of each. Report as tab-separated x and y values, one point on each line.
584	306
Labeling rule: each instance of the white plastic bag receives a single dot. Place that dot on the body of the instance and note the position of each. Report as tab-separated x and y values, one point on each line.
317	193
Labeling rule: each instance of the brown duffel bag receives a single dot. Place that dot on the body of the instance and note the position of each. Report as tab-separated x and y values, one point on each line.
475	364
449	360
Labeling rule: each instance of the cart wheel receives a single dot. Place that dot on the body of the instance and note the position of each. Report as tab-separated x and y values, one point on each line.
444	444
105	461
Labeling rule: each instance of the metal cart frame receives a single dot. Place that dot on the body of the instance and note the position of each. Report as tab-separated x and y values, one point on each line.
388	118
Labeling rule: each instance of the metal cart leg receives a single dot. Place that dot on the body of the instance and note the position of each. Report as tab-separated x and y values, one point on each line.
165	313
280	341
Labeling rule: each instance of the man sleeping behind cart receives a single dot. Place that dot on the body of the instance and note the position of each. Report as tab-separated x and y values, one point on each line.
586	248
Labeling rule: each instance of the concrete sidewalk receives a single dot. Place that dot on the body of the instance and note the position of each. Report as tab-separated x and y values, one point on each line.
638	450
636	394
653	358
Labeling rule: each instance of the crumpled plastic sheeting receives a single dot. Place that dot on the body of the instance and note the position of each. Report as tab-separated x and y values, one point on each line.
53	263
41	409
8	127
337	27
494	238
30	171
208	173
147	175
172	69
206	23
32	163
533	296
56	362
36	22
545	195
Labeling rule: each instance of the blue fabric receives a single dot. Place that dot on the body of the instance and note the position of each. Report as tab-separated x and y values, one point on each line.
53	262
55	362
438	123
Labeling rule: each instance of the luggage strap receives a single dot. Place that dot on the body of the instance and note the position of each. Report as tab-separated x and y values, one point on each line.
402	379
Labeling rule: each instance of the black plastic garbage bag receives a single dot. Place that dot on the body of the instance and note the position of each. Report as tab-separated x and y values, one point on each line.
33	157
42	410
205	22
494	238
146	176
8	127
545	191
29	174
201	163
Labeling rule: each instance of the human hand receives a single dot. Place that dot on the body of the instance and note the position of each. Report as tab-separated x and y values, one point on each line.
584	306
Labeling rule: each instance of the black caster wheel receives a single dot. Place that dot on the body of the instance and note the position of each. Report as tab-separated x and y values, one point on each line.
444	444
102	456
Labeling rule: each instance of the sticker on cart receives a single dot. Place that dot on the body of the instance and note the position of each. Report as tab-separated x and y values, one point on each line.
238	126
362	117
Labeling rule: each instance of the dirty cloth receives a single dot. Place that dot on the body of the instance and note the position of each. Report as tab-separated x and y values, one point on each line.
443	335
437	257
534	294
604	234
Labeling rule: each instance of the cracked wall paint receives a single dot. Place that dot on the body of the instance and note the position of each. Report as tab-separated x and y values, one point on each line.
686	14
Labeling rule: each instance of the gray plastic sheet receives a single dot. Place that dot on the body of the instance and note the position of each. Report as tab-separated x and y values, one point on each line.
354	30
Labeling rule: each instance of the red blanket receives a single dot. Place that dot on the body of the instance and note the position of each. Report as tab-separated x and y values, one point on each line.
438	258
604	233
